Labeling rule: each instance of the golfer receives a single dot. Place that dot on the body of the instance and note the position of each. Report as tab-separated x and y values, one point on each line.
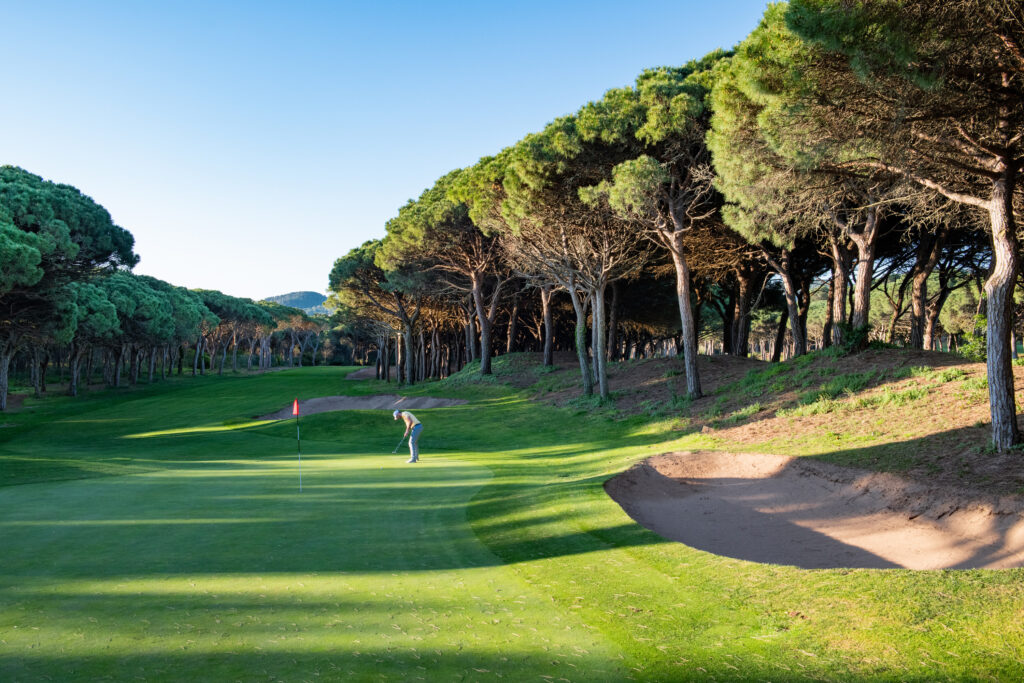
411	423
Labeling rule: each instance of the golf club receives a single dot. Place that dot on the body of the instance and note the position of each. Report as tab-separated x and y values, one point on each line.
399	445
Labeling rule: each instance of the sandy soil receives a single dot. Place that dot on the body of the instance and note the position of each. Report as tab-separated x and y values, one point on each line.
14	401
767	508
369	373
381	402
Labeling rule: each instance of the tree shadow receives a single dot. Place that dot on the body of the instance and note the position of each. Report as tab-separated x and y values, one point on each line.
415	658
367	519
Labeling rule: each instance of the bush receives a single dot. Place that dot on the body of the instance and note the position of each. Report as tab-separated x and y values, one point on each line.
976	347
854	339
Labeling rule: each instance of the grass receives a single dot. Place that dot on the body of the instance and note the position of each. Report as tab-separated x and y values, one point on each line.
160	535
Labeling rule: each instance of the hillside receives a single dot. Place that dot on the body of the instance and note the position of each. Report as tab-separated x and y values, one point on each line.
921	414
310	302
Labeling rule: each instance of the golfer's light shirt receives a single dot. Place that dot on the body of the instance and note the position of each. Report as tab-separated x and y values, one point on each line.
410	418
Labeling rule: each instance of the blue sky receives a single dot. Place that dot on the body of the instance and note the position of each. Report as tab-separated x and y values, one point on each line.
249	145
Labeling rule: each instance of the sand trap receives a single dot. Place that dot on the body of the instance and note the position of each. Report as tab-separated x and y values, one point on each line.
766	508
383	402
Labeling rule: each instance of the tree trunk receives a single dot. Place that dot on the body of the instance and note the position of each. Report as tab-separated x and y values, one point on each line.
119	366
74	363
894	318
600	351
805	302
841	259
546	292
780	336
6	354
399	358
434	363
44	364
580	308
34	370
783	266
613	324
999	293
728	315
470	336
866	240
138	356
409	354
746	281
927	259
513	319
686	317
131	363
826	330
421	358
485	326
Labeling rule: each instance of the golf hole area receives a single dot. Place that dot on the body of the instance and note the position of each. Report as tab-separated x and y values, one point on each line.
325	404
792	511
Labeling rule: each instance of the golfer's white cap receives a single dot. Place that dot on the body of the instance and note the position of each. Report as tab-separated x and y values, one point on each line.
397	413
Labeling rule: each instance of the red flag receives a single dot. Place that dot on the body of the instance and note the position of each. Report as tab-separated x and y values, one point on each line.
295	407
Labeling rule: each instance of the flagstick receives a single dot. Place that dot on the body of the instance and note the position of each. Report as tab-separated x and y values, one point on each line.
298	442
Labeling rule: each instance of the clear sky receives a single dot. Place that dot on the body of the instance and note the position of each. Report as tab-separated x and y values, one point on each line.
248	145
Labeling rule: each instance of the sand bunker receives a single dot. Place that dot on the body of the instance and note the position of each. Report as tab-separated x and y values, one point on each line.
383	402
766	508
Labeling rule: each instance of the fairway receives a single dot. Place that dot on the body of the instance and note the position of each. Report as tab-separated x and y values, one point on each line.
164	538
219	568
222	571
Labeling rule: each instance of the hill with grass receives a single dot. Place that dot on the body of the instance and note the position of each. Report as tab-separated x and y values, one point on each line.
922	414
310	302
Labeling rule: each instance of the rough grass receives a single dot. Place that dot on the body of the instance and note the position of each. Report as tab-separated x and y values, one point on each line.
911	412
499	557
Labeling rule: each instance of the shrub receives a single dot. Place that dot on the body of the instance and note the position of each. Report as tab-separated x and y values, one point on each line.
975	347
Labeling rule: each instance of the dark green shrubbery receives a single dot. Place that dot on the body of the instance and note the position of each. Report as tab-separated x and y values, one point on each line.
975	349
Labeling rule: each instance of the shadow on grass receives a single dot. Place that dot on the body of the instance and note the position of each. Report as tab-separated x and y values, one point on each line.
447	661
237	517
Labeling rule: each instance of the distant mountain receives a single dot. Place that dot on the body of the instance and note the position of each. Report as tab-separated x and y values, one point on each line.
310	302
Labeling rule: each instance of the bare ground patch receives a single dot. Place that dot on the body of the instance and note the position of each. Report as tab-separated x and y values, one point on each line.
15	401
369	373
